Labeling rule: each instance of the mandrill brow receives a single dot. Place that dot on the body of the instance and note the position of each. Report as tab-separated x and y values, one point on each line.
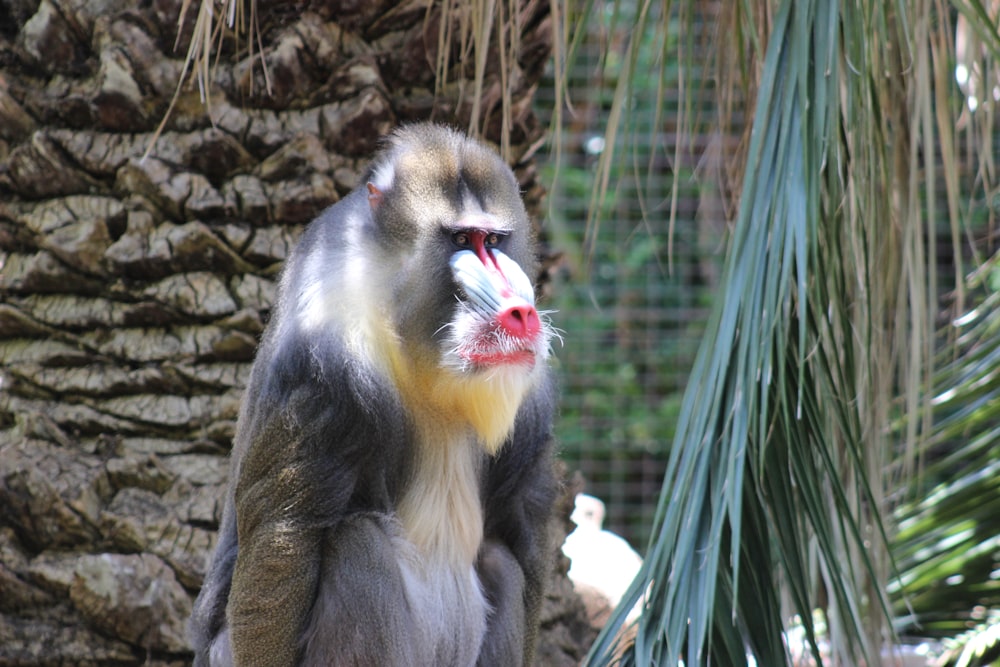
391	479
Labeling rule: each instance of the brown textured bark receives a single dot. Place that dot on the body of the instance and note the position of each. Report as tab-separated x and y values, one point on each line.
133	290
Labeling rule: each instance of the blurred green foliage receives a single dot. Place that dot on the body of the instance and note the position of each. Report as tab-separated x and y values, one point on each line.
634	288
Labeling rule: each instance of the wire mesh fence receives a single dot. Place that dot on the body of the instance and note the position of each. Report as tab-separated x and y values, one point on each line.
639	270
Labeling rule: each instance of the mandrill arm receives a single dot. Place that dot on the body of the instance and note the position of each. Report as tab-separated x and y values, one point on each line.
282	548
520	487
298	467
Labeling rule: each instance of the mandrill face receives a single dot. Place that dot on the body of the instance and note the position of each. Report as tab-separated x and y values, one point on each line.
456	249
496	324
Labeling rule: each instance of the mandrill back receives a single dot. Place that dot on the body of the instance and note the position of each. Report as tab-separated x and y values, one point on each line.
391	478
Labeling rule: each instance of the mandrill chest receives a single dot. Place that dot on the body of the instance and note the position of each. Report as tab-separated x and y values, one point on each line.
441	521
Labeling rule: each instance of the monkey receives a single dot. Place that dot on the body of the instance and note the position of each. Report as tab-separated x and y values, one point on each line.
392	476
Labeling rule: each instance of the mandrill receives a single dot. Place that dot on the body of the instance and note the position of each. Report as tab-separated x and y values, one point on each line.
391	478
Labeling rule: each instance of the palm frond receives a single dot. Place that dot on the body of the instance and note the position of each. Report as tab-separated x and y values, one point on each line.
947	542
768	485
210	28
977	647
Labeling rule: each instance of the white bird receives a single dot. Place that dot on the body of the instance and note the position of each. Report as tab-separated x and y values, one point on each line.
598	558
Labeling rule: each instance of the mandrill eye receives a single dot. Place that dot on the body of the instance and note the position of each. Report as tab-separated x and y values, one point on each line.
492	240
461	239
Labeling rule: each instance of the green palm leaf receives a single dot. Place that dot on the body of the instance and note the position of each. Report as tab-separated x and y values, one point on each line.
767	485
947	542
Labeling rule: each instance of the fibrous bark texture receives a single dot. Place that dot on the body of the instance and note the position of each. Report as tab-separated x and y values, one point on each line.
134	287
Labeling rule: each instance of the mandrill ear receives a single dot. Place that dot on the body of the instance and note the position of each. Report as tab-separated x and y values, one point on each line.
374	196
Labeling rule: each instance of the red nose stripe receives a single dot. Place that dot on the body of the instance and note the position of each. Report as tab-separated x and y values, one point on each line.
520	321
